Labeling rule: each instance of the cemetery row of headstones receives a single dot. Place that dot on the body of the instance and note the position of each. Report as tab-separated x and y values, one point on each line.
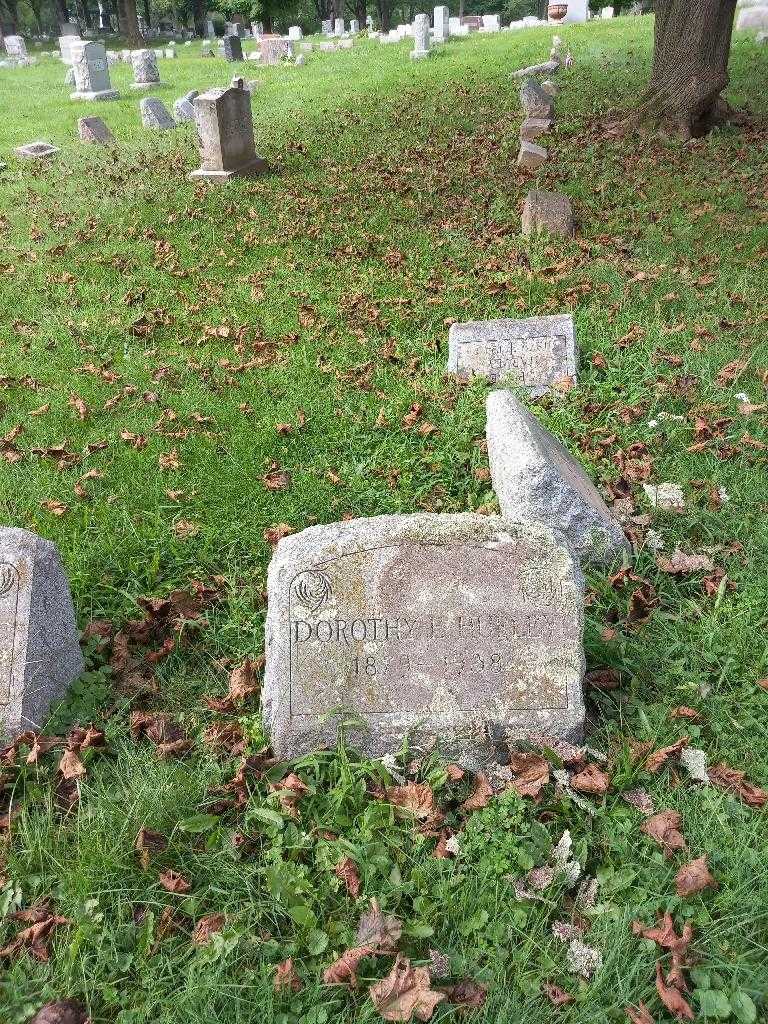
465	628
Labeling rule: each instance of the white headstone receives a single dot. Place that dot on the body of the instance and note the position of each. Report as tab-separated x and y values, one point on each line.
66	44
420	37
294	32
89	61
442	24
354	27
338	27
536	353
491	23
16	48
462	628
606	12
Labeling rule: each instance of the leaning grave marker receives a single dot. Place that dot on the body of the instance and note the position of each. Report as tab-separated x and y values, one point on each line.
537	352
463	628
537	480
225	133
39	648
92	82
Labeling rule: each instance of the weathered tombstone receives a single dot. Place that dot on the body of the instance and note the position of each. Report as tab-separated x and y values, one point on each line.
752	18
210	30
548	212
206	50
534	101
154	115
327	27
491	23
338	27
184	107
170	52
461	628
606	12
537	481
454	26
420	37
92	82
441	20
16	49
300	60
354	27
531	156
69	28
273	49
538	352
36	150
345	44
533	127
146	74
233	48
66	44
39	649
225	131
93	129
294	32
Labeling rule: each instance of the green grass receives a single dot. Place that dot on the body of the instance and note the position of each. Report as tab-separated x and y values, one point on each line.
393	210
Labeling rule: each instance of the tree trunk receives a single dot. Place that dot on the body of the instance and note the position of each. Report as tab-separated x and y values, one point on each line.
129	22
198	13
691	46
62	12
147	13
12	21
384	7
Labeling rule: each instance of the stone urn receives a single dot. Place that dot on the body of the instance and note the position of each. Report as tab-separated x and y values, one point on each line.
556	12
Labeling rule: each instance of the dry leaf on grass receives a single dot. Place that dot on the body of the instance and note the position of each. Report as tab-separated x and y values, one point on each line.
557	996
693	877
348	872
172	881
591	779
639	1014
418	798
148	842
405	993
480	795
63	1011
286	978
289	792
344	970
206	927
378	931
466	994
672	998
733	781
659	758
532	774
664	828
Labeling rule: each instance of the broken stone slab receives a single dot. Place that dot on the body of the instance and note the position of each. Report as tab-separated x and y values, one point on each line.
537	353
533	127
36	150
534	100
184	107
549	67
155	115
93	129
531	156
548	212
538	481
39	647
458	628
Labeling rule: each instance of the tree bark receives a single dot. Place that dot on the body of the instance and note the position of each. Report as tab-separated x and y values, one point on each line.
12	21
691	47
198	13
128	21
62	11
384	7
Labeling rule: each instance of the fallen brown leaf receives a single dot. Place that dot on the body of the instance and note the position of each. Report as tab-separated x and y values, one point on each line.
63	1011
693	877
639	1014
733	781
344	970
532	774
348	872
480	795
286	978
378	931
672	998
557	996
659	758
664	828
206	927
591	779
405	993
172	881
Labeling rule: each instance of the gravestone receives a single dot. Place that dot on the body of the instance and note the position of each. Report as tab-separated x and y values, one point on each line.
66	45
534	100
420	37
233	48
146	74
16	49
533	127
89	61
273	49
454	26
327	27
464	628
441	20
300	60
294	32
491	23
39	649
531	156
206	50
338	27
154	114
538	481
537	353
93	129
354	27
606	12
210	30
36	150
752	18
184	107
548	212
225	133
69	28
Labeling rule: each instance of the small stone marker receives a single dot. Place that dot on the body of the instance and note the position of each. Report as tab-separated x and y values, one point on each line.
66	45
89	61
326	27
39	649
233	48
461	628
154	114
441	21
273	49
146	74
225	132
549	212
533	127
491	23
538	352
534	100
36	150
354	27
338	27
93	129
538	481
16	49
184	107
531	156
420	37
606	12
294	32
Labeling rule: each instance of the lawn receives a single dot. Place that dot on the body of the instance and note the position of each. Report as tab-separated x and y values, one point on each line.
186	371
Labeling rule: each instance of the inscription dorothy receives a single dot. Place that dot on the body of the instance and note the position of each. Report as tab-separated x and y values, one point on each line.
414	632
